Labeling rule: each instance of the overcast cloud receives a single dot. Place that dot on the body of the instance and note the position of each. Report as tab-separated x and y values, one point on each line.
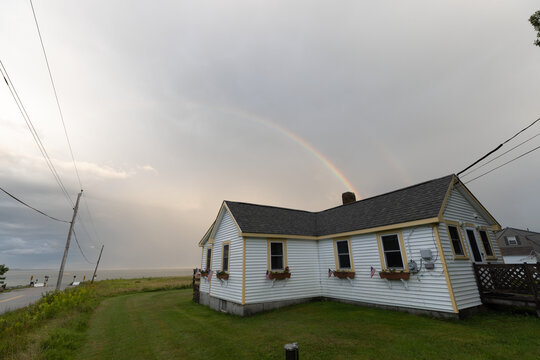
173	106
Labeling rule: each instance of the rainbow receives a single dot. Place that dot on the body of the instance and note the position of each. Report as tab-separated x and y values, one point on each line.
302	142
394	164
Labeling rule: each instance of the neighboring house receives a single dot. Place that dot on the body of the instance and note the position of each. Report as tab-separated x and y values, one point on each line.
519	246
431	232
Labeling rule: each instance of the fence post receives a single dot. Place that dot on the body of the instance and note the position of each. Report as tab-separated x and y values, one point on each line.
195	283
291	351
529	272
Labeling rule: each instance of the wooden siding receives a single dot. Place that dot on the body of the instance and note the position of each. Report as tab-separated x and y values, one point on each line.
461	273
427	289
302	259
230	289
205	286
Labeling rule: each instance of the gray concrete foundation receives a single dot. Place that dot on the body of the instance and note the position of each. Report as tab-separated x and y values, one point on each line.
251	309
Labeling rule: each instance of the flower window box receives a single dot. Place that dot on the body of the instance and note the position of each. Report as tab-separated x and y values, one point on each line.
344	274
279	275
222	275
395	275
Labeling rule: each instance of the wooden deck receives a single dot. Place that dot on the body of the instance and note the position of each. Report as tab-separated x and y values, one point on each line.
509	284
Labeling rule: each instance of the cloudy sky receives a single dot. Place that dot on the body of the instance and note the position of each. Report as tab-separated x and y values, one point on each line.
173	106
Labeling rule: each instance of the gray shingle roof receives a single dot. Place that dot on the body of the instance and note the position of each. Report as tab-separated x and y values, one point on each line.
420	201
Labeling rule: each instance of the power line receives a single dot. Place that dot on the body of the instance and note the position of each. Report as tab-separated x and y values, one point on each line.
504	153
498	147
508	162
85	230
55	93
31	207
60	112
80	249
91	219
33	131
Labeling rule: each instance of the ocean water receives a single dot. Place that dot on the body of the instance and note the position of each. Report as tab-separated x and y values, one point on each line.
16	277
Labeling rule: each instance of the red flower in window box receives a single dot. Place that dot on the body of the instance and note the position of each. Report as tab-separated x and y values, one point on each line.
343	274
280	275
222	275
394	275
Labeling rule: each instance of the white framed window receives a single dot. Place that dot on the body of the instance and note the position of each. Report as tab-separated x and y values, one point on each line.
512	240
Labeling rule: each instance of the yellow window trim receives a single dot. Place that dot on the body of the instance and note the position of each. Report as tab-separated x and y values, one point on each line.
465	255
401	248
268	257
494	257
336	258
222	253
211	247
445	269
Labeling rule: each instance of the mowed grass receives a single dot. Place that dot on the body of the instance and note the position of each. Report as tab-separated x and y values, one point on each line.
168	325
55	327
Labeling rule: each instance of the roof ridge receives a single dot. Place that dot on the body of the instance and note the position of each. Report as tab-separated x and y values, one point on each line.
388	193
338	206
269	206
523	230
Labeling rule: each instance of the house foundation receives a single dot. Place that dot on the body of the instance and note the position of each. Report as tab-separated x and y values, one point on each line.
252	309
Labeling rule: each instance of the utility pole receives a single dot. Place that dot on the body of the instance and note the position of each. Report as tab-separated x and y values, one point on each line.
61	273
99	258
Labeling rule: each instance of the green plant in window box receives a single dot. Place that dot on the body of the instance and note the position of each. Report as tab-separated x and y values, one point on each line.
279	275
204	273
223	275
343	274
393	274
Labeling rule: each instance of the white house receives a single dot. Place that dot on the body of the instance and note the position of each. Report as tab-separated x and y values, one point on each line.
427	235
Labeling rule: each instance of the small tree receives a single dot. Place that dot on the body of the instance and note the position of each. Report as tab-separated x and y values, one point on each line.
3	269
535	22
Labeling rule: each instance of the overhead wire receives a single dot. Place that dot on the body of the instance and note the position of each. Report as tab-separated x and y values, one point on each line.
62	119
498	147
33	131
91	220
55	93
504	153
80	249
33	208
500	166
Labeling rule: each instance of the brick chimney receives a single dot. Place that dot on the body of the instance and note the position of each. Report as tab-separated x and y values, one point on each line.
348	197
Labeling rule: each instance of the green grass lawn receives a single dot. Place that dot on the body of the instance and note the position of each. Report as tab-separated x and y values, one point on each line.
168	325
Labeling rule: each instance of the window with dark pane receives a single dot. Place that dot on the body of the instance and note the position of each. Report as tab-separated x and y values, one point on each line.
208	258
276	256
487	244
392	252
225	257
456	242
343	254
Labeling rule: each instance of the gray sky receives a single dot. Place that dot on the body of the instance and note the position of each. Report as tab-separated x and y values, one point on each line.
172	107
